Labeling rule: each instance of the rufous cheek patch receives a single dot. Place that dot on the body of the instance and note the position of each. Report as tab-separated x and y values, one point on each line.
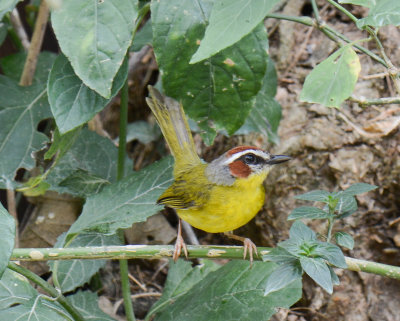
239	169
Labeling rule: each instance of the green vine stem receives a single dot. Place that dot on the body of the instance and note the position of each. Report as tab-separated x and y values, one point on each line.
166	251
48	288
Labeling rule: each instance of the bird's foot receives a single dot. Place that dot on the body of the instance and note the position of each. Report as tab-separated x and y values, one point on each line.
249	246
179	245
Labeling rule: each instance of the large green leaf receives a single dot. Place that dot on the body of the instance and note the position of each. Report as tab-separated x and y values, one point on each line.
21	109
128	201
74	273
382	13
13	65
7	232
14	289
220	91
333	80
91	153
265	116
283	276
72	102
230	21
95	36
233	292
6	6
34	310
88	306
181	278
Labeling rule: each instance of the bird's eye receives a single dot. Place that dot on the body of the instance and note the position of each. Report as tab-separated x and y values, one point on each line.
250	159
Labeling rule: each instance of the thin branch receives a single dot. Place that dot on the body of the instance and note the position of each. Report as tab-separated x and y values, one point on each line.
12	209
36	44
19	28
166	251
376	101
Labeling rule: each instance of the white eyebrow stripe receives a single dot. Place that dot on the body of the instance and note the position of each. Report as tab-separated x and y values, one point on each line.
240	154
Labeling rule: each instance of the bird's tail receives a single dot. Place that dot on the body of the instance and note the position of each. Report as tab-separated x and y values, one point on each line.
174	126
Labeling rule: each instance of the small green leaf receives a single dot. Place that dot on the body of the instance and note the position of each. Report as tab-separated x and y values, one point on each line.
364	3
60	144
384	12
335	279
330	252
125	202
7	232
283	276
300	231
344	239
95	37
359	188
7	6
308	212
233	292
319	271
74	273
87	303
346	206
230	21
316	196
333	80
72	102
279	255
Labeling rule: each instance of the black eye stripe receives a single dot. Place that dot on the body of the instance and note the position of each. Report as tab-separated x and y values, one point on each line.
251	159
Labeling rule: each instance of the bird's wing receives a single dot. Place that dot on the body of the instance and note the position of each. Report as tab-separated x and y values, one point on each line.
190	190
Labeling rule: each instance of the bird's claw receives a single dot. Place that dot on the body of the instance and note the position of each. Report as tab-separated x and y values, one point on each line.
249	246
179	245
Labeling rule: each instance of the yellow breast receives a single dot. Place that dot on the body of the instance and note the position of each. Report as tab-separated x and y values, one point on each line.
229	207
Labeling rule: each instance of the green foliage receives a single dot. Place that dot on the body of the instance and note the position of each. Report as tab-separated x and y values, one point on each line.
7	232
6	6
125	202
382	13
222	94
20	301
75	273
71	101
230	21
21	109
94	44
333	80
305	250
234	291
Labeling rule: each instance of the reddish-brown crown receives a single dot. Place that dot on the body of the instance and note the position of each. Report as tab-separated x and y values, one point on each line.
240	149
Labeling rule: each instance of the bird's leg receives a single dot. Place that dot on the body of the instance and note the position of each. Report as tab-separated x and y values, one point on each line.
248	245
179	244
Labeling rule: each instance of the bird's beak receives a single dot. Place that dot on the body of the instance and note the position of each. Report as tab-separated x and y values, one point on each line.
277	159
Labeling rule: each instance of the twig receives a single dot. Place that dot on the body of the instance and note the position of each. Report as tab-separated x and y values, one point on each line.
376	101
19	28
166	251
12	209
36	44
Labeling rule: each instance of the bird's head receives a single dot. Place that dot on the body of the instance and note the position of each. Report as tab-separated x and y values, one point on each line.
242	162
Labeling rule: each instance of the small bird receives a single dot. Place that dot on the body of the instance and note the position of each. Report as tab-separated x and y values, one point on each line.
216	197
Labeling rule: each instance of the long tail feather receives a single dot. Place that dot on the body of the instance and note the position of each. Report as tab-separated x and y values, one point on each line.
174	126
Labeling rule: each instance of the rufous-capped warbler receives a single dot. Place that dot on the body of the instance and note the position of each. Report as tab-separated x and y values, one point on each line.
214	197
